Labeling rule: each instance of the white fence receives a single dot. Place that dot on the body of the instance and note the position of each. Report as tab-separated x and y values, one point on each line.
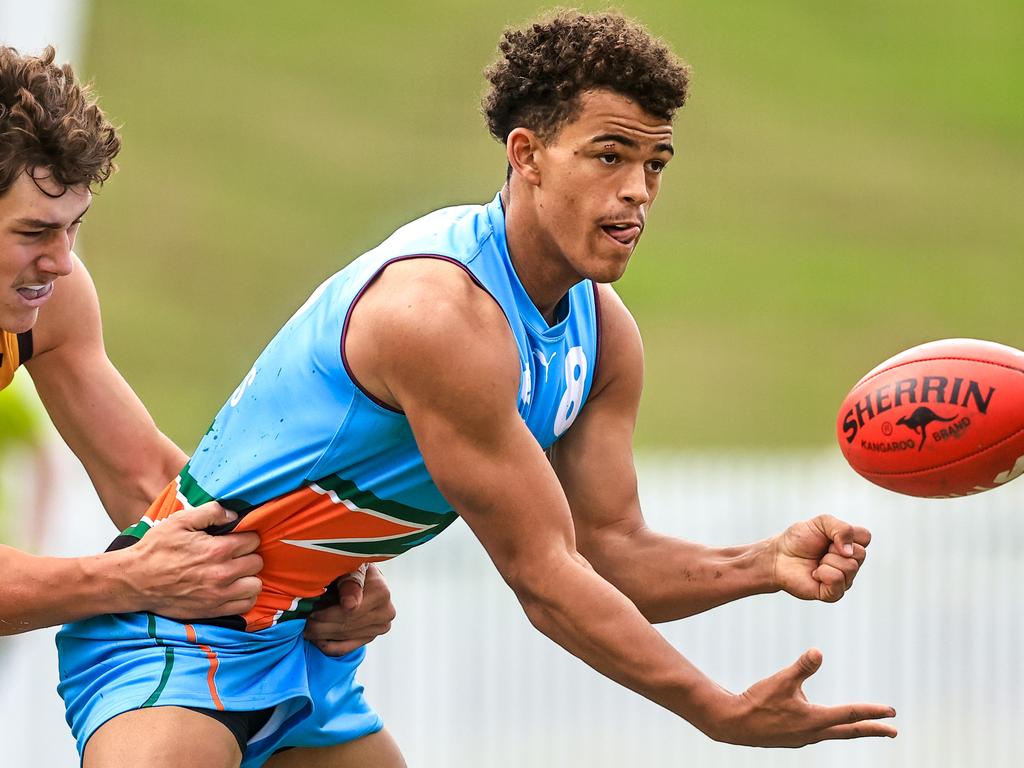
932	626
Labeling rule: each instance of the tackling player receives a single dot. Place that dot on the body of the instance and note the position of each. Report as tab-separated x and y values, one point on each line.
476	363
55	143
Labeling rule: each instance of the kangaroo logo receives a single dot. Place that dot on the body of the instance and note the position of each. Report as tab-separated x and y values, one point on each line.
919	421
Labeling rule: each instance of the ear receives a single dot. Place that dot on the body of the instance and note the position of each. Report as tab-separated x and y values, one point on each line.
522	149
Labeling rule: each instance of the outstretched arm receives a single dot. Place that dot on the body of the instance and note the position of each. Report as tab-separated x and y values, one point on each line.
423	338
670	578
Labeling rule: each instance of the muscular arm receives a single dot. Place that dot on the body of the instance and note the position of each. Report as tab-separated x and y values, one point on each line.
667	578
99	416
424	339
670	578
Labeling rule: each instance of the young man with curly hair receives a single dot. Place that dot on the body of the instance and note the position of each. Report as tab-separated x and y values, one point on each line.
476	363
55	145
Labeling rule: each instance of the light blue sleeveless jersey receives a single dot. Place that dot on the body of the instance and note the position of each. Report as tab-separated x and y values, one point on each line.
299	417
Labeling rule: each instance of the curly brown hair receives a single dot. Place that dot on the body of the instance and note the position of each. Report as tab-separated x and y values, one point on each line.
543	68
50	120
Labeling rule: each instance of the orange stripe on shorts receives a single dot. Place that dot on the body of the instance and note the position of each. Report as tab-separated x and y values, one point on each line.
190	632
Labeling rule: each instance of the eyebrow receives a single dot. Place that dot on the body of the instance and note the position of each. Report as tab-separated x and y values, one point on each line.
632	144
42	224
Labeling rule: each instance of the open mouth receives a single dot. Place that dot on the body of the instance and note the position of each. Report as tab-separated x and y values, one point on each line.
626	234
32	293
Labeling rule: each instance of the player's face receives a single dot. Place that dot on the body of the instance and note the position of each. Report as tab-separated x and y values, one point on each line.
600	176
38	223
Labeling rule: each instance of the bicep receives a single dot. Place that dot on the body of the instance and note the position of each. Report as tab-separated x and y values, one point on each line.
594	459
502	485
594	465
485	461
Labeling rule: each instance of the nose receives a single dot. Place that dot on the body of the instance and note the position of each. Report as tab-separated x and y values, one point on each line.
57	258
634	187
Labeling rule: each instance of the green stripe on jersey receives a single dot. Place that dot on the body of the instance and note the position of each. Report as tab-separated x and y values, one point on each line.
138	530
302	609
389	547
346	489
195	495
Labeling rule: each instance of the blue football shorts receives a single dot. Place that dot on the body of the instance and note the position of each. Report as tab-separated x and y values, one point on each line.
116	663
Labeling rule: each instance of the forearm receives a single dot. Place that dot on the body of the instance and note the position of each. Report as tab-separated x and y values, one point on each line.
45	591
587	616
126	491
669	578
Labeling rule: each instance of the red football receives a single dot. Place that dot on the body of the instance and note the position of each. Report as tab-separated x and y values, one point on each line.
939	420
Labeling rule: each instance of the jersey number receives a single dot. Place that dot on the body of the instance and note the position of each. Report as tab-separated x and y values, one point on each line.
575	378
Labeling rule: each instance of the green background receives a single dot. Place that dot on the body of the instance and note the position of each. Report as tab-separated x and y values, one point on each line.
849	181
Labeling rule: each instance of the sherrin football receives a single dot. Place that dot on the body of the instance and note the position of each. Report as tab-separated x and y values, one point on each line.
939	420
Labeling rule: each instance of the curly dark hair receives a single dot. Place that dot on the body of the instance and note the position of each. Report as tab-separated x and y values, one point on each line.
50	120
543	68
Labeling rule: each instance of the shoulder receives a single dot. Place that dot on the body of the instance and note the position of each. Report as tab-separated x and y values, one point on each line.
425	326
423	294
71	317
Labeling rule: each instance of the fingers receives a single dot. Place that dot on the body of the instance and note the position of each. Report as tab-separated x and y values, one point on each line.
842	534
350	588
839	532
246	588
857	731
851	713
332	614
204	516
854	721
232	608
808	663
247	565
320	631
836	574
357	576
833	583
236	599
336	623
775	713
242	543
859	552
340	647
347	629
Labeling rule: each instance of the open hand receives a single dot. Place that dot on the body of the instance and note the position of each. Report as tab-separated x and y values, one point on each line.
775	713
817	559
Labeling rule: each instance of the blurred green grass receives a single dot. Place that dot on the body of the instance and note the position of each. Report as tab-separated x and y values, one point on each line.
849	181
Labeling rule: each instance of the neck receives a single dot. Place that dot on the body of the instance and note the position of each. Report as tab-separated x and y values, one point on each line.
536	258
